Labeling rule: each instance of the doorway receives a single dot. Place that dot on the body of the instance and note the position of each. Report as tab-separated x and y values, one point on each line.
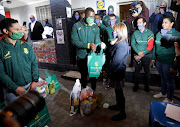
124	11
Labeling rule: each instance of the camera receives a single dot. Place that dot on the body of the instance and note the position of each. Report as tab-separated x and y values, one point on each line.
168	40
133	10
23	109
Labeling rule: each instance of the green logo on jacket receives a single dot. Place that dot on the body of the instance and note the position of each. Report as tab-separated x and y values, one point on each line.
26	50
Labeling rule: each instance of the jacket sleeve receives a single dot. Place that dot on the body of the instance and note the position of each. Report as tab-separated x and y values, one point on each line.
5	79
117	19
34	65
152	17
133	43
130	19
97	37
76	40
154	51
150	44
145	14
175	7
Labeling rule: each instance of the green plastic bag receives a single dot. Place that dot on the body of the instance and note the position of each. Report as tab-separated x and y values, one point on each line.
95	63
51	79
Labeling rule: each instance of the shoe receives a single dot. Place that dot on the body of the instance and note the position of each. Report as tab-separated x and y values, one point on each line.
135	88
114	107
167	100
107	88
146	88
118	117
159	95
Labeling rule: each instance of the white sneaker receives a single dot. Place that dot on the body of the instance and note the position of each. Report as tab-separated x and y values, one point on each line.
159	95
167	100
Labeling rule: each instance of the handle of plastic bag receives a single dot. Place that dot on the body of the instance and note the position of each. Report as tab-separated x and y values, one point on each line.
46	72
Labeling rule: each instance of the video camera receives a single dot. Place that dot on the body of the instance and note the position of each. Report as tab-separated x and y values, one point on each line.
23	109
168	40
133	10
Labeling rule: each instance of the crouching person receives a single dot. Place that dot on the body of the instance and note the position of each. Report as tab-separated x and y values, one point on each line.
116	67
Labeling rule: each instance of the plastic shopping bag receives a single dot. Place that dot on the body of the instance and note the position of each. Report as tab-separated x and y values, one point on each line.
95	63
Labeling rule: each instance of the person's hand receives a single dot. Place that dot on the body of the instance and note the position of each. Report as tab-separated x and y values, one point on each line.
153	61
135	14
161	11
177	49
24	30
172	70
98	24
103	45
156	11
137	58
93	47
20	91
141	54
32	86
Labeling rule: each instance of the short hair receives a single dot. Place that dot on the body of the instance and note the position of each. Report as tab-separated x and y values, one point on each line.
170	18
97	14
144	20
7	23
112	15
88	10
122	31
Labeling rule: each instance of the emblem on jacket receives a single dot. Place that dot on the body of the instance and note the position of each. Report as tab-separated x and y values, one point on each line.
7	55
26	50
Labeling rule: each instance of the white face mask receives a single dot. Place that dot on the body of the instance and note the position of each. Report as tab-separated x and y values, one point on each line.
139	10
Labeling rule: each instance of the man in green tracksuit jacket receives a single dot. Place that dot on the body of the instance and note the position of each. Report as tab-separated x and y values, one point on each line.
18	65
100	25
105	20
142	43
85	34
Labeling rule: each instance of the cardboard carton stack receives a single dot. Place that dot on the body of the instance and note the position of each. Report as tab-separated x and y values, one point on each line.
45	51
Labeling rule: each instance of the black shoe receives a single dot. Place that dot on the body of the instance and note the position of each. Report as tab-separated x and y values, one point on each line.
118	117
135	88
146	88
114	107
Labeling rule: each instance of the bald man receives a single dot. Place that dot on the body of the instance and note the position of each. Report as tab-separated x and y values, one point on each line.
36	29
157	17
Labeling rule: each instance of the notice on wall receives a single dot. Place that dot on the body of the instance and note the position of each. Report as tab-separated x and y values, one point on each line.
60	36
68	12
59	23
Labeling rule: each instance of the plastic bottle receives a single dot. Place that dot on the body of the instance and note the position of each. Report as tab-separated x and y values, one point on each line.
99	99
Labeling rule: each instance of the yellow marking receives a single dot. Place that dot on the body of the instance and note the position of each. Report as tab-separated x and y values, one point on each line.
26	50
22	42
79	28
7	57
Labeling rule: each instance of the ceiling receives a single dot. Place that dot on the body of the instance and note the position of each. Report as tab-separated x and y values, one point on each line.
18	3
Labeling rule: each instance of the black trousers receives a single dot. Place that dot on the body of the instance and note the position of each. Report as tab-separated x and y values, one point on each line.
1	94
145	62
120	99
82	64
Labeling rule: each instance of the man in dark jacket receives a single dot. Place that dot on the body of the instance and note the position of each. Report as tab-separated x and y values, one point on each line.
175	6
36	29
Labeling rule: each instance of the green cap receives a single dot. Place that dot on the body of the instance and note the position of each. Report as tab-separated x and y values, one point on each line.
110	7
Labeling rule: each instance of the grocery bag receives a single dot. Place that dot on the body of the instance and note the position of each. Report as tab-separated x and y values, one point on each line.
51	79
75	97
95	63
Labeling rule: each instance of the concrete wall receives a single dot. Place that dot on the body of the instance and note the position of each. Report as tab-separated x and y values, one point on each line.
151	4
22	13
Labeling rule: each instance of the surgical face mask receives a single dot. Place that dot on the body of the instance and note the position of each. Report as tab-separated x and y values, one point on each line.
110	12
112	22
139	10
16	36
164	31
97	21
115	34
76	17
90	21
141	27
32	19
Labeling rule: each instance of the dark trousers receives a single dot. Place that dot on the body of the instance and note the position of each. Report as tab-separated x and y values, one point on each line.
82	64
132	55
120	99
145	63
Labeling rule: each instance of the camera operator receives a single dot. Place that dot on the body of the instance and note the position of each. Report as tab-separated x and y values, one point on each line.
157	17
140	10
175	6
18	64
165	60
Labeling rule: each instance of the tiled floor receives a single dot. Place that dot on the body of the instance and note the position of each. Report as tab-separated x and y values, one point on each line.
137	106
